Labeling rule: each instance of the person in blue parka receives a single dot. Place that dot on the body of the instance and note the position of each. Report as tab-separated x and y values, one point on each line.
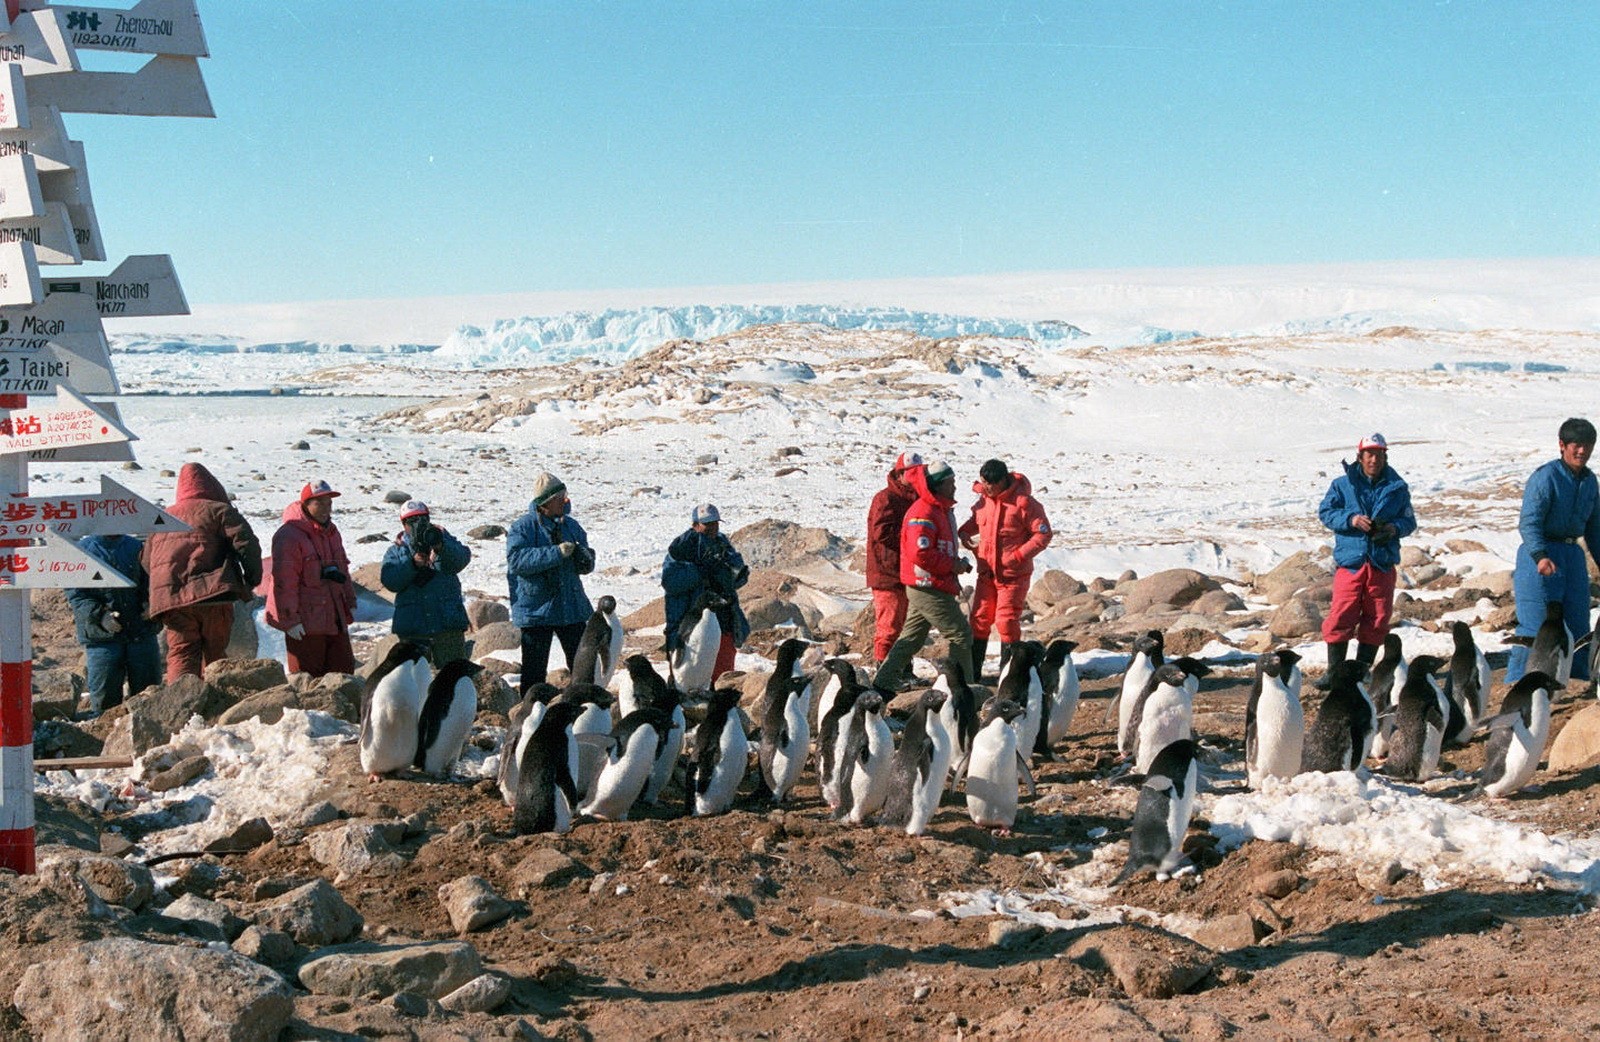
1560	505
702	559
547	556
423	569
1369	512
119	643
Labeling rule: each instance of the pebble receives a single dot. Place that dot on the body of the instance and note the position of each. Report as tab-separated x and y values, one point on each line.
922	992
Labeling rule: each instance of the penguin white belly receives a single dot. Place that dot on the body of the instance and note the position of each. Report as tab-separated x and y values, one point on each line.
1064	703
869	783
1433	742
694	660
947	720
825	700
830	785
733	756
926	793
1383	725
1027	725
1280	734
1485	685
389	733
661	772
591	757
1167	718
511	748
623	777
1132	686
992	777
453	730
1178	813
606	667
1522	760
788	761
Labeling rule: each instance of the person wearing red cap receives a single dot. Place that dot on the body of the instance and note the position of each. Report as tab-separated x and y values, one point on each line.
1369	511
311	598
196	576
1007	530
884	518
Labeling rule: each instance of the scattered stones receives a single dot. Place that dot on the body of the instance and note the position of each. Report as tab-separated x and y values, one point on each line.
181	773
396	497
269	947
242	676
1228	933
472	904
113	880
432	970
155	715
248	836
1276	884
484	993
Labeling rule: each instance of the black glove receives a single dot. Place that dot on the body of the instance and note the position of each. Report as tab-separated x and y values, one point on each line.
332	574
583	558
424	576
110	620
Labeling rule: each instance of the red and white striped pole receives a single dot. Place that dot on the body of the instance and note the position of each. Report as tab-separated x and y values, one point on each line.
16	685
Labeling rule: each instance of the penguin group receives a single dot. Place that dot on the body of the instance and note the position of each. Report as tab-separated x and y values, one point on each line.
412	717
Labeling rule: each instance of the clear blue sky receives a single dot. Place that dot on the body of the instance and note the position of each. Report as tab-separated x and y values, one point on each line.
399	148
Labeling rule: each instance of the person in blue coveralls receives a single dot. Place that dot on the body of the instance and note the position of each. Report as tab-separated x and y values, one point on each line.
119	643
1369	512
547	556
1560	505
422	569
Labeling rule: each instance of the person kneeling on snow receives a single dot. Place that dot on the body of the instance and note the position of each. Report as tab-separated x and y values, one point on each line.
1369	511
422	569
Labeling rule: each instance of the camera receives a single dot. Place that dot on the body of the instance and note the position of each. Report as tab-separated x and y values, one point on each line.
332	574
424	536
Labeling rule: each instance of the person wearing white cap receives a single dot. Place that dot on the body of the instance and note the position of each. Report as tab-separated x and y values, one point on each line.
311	598
422	568
700	559
884	517
547	556
1369	511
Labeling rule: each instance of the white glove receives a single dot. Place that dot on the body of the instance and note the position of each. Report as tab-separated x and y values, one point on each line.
295	632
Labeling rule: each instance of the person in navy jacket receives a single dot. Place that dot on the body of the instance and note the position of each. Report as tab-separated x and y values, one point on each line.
700	559
1560	505
422	569
1369	512
547	556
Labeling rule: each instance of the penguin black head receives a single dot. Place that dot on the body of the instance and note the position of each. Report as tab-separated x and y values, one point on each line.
932	700
869	701
1427	664
1461	633
1392	645
1058	651
1555	611
1150	643
606	604
1171	674
789	653
1279	663
1533	681
1001	709
405	651
541	692
586	695
1192	666
1346	675
640	669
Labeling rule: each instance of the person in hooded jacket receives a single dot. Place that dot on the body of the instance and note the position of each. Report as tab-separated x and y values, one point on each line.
884	518
1007	530
930	567
547	556
422	568
312	598
1369	512
702	559
119	642
196	576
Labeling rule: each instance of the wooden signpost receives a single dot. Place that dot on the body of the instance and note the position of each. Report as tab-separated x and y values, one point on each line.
51	339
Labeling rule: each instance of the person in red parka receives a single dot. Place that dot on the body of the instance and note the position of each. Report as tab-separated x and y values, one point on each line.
1006	531
195	576
930	564
312	599
884	517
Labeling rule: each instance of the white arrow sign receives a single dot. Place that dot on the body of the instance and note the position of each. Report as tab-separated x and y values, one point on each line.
51	235
140	287
41	372
36	44
149	27
13	98
114	452
20	194
68	422
168	85
19	275
45	139
70	188
116	510
57	564
69	324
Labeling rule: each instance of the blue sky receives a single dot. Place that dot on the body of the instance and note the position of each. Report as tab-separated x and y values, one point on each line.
401	149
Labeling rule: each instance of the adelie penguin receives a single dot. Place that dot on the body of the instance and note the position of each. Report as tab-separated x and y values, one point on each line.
785	722
523	722
636	743
639	686
600	647
832	734
1020	682
718	758
921	763
1517	736
1274	723
1421	715
994	767
1166	802
864	760
447	716
544	789
1059	675
692	662
836	675
1383	689
1466	686
592	731
391	708
1164	711
1147	658
1550	649
959	714
1342	734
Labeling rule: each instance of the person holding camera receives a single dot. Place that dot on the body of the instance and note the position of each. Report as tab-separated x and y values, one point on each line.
547	555
119	643
702	559
312	599
422	568
1369	511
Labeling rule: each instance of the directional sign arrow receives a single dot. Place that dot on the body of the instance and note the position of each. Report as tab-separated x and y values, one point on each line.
67	423
112	452
41	372
51	235
69	325
57	564
20	195
168	85
70	188
36	44
149	27
116	510
19	275
13	98
45	138
140	287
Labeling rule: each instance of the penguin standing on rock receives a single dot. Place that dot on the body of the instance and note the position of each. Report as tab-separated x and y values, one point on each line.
994	767
1517	736
1341	736
1383	689
636	743
1421	715
447	716
865	760
1166	802
785	722
391	708
1147	658
1274	723
600	647
920	765
719	757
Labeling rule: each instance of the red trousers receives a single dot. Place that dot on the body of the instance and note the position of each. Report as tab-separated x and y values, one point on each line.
888	619
998	607
320	653
724	661
196	637
1363	605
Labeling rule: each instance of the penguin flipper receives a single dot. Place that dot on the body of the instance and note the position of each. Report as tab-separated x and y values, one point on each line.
1111	709
1583	641
1027	774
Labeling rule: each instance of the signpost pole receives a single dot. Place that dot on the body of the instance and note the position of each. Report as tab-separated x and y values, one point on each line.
16	685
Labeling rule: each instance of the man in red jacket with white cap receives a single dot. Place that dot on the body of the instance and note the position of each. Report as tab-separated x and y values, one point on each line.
1006	531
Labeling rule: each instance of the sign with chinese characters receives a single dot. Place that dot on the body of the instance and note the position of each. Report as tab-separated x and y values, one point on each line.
116	510
68	422
57	563
106	452
149	27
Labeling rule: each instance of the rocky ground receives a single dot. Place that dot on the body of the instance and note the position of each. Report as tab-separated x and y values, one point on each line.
356	916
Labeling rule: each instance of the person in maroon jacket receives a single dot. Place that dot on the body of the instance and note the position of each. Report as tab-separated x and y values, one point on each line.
1007	530
312	599
930	563
195	576
884	517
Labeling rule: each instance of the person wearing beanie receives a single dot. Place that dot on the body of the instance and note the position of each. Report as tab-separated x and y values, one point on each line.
312	598
1007	530
884	517
701	559
547	556
1369	511
196	576
1560	505
422	568
930	566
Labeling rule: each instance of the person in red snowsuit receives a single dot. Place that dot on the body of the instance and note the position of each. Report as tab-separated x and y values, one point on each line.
311	598
1007	530
884	517
930	566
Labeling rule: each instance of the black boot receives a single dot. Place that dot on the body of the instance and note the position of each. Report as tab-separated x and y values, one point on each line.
980	651
1337	649
1367	654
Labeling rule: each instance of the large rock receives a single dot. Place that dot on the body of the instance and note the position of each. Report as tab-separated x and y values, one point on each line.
1175	586
472	904
369	577
482	994
765	613
1293	573
268	705
1216	602
1299	617
314	915
243	676
336	694
1050	589
115	881
482	612
544	867
355	848
433	970
210	920
55	694
1149	964
497	636
152	718
1578	744
128	989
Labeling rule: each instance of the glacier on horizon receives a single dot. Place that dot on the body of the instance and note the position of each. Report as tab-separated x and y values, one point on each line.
616	335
